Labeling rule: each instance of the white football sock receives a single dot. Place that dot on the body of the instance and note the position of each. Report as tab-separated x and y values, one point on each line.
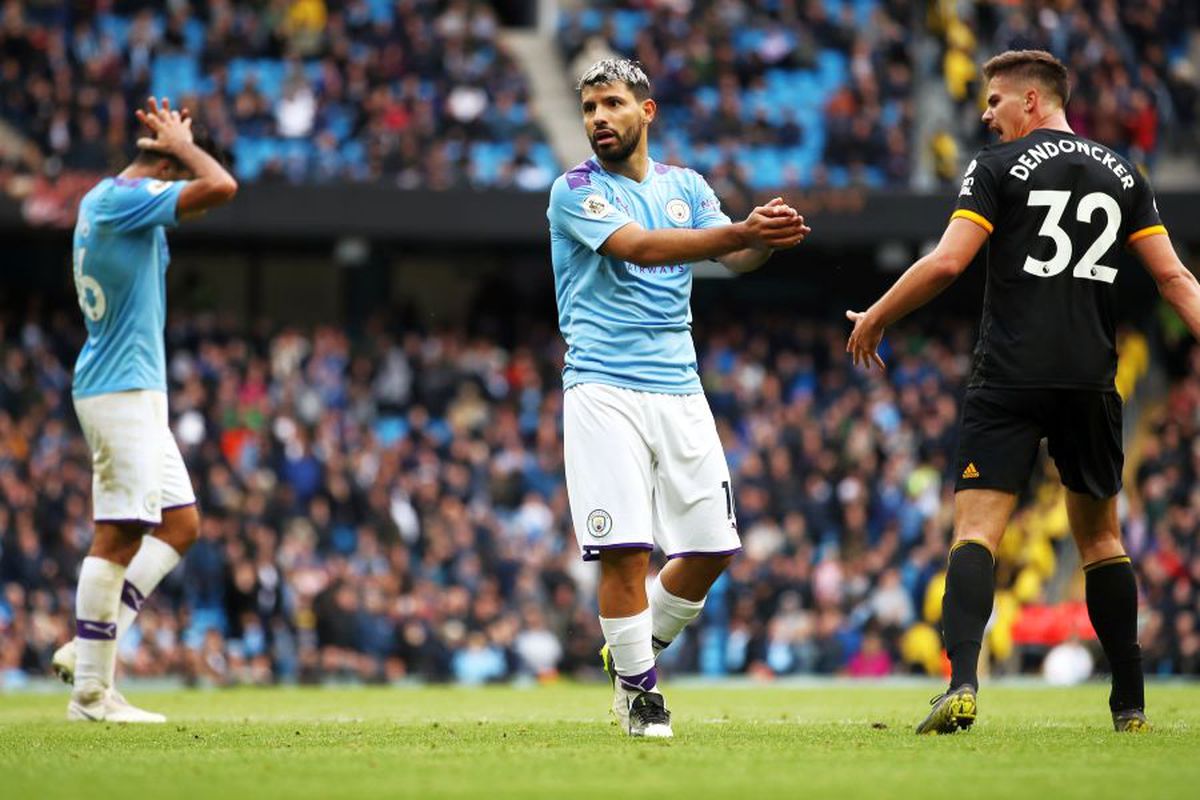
154	559
96	600
671	614
629	642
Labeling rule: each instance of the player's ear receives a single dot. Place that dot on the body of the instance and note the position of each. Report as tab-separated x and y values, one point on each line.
649	109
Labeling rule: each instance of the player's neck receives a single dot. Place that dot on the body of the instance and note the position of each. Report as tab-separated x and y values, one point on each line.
135	171
1054	121
635	167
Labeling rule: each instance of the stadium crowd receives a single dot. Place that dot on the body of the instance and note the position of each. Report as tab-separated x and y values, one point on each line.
393	505
762	95
419	93
424	94
1135	85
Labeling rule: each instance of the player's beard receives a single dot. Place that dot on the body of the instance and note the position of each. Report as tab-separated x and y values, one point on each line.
622	149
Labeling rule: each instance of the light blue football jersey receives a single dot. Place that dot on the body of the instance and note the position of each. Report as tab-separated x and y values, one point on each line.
120	265
626	325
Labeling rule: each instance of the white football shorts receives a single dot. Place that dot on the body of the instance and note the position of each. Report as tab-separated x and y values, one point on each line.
645	468
137	470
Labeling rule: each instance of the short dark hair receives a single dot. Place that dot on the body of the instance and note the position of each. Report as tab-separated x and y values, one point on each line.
201	137
1037	65
617	70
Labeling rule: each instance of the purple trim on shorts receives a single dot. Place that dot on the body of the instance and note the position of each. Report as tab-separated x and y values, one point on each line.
181	505
705	553
101	631
591	552
144	522
642	682
132	596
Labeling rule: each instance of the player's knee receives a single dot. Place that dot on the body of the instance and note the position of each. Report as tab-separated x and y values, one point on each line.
116	543
191	526
1100	544
181	527
712	566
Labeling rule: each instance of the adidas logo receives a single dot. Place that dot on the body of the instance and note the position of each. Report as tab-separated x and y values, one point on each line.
970	471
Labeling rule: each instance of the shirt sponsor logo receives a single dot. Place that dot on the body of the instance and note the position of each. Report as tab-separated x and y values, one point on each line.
968	181
679	211
596	207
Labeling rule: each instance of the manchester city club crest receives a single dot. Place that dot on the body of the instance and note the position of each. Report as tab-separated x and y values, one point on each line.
599	523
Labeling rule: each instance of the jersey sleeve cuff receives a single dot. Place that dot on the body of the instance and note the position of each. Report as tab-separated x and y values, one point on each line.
1153	230
978	219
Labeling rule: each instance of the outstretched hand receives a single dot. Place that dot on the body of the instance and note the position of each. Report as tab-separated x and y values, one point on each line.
172	129
863	345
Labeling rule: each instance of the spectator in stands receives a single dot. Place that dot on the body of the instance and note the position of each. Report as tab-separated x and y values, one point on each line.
293	89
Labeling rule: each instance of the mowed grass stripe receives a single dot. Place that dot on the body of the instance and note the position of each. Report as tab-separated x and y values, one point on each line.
836	741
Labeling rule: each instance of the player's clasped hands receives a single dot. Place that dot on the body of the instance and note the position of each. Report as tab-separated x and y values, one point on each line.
776	225
172	129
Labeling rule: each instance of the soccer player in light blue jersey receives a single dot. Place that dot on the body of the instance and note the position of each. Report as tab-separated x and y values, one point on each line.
644	463
143	504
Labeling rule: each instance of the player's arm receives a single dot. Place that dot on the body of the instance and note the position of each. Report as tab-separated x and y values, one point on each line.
749	259
1176	283
212	185
761	232
922	282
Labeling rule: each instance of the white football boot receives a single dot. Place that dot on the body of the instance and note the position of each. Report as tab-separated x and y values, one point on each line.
94	703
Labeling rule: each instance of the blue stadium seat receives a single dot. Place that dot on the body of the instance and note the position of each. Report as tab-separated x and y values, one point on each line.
116	27
354	153
832	68
194	34
174	76
381	10
591	19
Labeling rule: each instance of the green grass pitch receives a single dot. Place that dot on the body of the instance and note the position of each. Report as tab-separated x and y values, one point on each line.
827	741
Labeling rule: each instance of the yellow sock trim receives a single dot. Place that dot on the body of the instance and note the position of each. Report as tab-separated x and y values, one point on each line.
1104	562
979	542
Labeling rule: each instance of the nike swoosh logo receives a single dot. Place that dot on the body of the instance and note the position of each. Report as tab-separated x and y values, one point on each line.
79	708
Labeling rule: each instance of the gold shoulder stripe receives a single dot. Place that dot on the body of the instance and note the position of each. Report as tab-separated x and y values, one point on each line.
978	219
1144	232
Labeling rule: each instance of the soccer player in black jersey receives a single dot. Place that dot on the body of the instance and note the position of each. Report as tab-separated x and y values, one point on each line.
1054	210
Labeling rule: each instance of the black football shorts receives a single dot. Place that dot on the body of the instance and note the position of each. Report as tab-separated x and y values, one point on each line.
1002	428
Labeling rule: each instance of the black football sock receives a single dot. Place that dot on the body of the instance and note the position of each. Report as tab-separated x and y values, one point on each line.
1112	606
966	606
